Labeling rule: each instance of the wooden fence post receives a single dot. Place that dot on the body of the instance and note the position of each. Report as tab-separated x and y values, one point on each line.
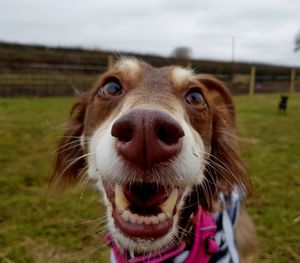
110	61
293	80
252	81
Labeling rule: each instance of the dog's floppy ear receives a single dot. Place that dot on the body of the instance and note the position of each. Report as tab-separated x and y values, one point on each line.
225	166
69	160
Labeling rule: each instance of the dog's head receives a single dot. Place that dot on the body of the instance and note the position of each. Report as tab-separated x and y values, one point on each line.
157	142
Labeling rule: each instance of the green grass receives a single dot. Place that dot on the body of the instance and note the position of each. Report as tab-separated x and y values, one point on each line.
271	150
35	226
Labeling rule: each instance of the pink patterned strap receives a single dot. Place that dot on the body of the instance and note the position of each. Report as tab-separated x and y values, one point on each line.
205	228
160	256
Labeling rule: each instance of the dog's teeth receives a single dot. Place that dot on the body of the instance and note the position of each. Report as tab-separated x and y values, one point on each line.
147	220
133	218
120	199
162	217
168	206
126	215
140	220
154	220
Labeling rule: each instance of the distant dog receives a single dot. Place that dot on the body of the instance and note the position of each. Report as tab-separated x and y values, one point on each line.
282	106
160	145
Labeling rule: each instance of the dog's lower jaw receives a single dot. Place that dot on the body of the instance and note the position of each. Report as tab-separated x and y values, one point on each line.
145	245
140	245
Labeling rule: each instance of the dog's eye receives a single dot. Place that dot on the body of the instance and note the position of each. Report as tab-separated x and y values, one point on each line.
112	88
194	97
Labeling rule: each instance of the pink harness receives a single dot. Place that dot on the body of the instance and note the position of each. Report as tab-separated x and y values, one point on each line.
204	244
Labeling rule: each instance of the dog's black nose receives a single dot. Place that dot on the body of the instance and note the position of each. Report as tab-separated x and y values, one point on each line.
147	137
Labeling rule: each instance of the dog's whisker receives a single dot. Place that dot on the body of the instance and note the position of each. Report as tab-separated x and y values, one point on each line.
100	219
241	187
222	165
68	148
65	145
83	183
224	177
183	231
73	161
206	193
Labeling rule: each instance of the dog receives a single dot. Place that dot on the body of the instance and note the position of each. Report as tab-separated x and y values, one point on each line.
282	106
160	144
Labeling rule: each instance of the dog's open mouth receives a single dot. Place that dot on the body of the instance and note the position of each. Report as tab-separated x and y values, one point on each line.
143	210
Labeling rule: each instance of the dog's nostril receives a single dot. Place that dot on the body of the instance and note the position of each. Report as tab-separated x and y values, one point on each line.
126	136
165	136
122	131
169	133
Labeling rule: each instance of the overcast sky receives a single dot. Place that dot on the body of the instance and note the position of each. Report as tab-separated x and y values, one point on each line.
264	29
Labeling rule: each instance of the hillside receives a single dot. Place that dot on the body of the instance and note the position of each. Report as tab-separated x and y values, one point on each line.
43	71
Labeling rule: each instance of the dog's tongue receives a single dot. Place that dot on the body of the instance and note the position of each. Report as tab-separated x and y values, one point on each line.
146	195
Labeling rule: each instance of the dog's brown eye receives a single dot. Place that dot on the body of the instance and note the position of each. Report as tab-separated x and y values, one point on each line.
194	97
111	88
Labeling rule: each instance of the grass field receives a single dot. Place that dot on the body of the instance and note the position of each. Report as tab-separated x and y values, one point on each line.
37	227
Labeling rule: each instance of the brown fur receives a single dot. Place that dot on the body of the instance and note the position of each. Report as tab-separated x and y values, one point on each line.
66	170
228	168
215	122
246	237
